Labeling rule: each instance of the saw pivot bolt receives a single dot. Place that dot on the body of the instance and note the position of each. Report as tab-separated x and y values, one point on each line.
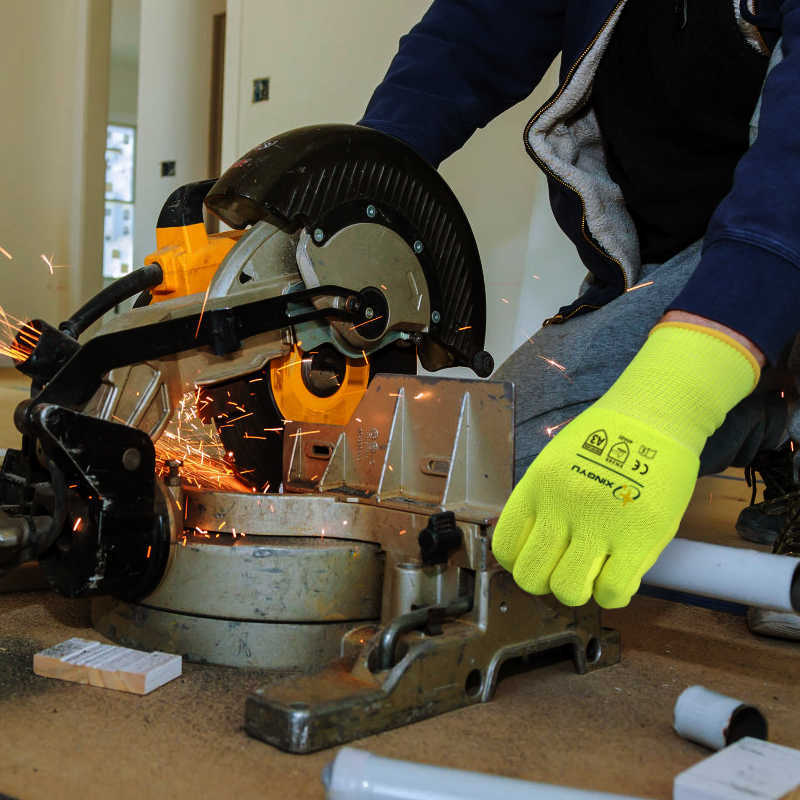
319	235
131	459
371	211
418	247
353	304
439	538
436	317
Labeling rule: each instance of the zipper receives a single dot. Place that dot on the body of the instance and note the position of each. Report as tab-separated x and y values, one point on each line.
758	30
545	168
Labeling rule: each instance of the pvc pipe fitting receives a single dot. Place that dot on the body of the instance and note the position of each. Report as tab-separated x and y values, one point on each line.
359	775
715	720
749	577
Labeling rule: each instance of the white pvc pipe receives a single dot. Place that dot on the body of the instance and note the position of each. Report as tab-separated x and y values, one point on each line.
739	575
716	720
359	775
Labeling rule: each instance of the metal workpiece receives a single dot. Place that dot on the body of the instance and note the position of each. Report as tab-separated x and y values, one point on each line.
463	462
432	672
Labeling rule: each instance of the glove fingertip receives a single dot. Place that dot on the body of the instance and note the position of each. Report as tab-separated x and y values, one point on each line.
509	537
610	597
530	582
572	596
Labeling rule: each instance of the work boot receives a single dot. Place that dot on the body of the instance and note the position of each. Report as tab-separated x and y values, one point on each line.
763	522
782	624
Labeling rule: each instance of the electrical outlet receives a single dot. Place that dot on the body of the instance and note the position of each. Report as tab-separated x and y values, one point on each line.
260	89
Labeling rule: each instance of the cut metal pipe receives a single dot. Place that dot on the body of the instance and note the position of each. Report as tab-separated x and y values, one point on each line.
716	720
359	775
739	575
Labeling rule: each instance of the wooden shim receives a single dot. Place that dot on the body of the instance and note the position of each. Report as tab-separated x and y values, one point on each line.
749	769
107	666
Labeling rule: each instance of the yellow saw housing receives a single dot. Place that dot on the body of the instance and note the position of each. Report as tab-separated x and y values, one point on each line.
298	403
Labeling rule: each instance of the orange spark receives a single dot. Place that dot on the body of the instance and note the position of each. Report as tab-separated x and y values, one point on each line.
400	533
639	286
202	311
6	254
365	357
374	319
49	262
149	548
229	423
77	525
504	300
560	367
553	363
551	430
194	443
303	433
18	339
465	328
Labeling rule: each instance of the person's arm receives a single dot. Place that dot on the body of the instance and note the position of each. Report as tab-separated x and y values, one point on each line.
462	65
749	276
695	319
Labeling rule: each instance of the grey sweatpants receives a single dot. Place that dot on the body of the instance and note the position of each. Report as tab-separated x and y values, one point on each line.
593	349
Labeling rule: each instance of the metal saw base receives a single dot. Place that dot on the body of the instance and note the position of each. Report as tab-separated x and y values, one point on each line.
208	640
436	671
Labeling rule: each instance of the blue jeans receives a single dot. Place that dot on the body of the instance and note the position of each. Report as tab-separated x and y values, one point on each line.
593	349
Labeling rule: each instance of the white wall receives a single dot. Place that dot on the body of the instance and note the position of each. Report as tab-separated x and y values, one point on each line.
122	95
323	60
173	105
124	67
53	92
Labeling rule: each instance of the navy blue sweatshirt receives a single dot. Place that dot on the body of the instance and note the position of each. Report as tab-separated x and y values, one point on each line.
467	61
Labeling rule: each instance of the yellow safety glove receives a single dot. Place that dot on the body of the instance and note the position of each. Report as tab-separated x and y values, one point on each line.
606	495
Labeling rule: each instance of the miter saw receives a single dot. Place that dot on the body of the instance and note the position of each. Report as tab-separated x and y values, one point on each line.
246	469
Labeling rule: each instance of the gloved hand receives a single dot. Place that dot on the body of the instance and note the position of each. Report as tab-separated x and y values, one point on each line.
605	496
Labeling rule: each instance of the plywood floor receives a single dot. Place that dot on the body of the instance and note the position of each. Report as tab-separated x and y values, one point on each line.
610	730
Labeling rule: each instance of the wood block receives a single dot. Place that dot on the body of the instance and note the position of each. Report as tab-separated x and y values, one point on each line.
749	769
107	666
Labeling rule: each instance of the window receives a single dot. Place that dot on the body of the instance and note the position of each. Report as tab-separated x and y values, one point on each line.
118	223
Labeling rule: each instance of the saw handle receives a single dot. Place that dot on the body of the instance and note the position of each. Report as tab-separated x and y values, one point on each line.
185	205
138	281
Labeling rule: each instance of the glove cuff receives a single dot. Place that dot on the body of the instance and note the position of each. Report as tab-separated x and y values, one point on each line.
683	381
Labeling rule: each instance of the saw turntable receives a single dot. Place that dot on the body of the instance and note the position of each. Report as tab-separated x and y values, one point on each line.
246	468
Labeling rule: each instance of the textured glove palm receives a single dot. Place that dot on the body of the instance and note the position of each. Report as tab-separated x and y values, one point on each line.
605	496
